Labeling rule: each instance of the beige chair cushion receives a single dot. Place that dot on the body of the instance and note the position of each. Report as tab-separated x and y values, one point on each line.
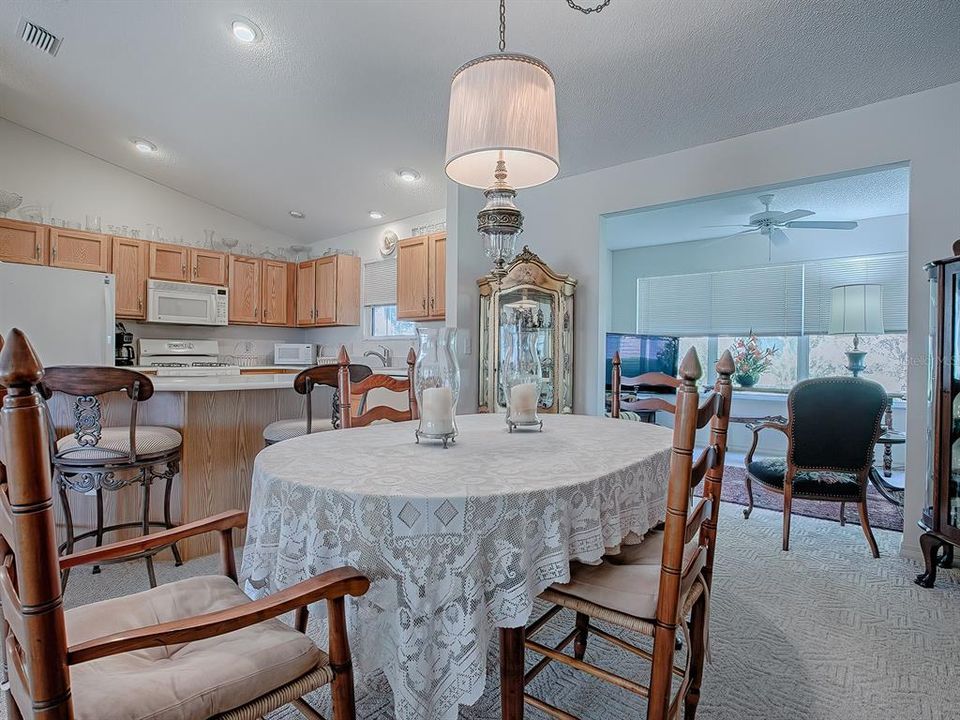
190	680
628	582
150	441
286	429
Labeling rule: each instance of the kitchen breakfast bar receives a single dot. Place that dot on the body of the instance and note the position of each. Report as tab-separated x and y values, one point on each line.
221	420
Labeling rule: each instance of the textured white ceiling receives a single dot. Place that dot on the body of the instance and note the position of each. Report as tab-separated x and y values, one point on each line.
855	197
339	94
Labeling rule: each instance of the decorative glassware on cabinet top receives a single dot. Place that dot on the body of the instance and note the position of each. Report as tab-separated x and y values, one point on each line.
540	301
436	380
9	201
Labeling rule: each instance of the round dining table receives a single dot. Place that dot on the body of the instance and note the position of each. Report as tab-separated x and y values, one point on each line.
457	542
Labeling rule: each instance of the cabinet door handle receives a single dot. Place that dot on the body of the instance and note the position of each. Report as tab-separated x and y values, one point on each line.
196	270
54	252
36	252
139	303
183	268
424	303
431	303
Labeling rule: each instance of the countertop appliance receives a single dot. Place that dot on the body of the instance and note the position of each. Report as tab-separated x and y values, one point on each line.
125	355
68	315
294	354
184	358
186	303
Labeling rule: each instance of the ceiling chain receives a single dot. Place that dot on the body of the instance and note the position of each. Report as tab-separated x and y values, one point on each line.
588	10
571	3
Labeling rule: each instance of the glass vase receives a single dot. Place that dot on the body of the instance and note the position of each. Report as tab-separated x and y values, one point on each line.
436	381
522	376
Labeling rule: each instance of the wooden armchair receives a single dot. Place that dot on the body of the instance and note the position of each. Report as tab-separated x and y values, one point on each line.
197	648
661	586
832	427
651	379
351	390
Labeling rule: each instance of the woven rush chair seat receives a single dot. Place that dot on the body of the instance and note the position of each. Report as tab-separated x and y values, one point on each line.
197	679
628	582
285	429
771	471
115	442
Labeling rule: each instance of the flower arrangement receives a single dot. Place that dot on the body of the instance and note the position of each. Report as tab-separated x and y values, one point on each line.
749	360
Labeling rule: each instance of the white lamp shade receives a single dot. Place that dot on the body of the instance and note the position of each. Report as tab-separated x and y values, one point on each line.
502	107
856	309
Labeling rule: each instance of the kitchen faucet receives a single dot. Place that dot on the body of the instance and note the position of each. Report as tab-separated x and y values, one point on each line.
386	357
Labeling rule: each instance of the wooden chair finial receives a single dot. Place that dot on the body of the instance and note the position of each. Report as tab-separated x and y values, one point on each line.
342	357
616	357
725	366
19	365
411	357
690	368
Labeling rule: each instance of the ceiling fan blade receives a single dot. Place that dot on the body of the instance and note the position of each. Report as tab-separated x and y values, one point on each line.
793	215
723	226
742	232
778	237
823	225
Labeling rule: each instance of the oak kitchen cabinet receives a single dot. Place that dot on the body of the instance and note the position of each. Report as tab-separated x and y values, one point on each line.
79	250
169	262
328	291
22	242
208	267
130	260
278	283
244	286
421	277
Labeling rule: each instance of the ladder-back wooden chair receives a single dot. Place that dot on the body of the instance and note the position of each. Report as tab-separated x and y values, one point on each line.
663	584
832	427
196	648
352	417
304	383
653	379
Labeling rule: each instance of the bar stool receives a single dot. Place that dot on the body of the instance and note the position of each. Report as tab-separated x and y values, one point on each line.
304	383
96	458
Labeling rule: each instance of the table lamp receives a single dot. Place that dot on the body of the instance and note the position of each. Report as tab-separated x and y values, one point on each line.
856	309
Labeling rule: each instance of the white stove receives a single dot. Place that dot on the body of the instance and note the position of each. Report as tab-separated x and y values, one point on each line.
185	358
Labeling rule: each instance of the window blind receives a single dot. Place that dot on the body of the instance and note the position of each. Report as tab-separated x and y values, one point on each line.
888	271
767	300
380	282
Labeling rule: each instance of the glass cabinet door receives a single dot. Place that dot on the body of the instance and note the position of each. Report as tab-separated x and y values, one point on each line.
533	310
951	375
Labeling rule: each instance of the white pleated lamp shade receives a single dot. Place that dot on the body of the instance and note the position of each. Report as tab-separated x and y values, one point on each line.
503	106
856	309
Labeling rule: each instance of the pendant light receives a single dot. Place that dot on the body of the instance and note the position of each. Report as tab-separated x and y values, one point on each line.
502	136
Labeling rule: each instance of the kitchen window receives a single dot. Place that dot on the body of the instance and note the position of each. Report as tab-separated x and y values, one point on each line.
380	302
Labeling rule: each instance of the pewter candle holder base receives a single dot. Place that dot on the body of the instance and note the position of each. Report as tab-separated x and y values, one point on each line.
450	437
524	424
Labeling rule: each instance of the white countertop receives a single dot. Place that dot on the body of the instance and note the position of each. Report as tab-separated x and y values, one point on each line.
265	381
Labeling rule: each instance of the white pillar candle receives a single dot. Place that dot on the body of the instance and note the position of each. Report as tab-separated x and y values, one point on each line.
436	411
523	402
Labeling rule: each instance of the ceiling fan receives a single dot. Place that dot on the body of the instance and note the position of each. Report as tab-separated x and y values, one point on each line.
770	222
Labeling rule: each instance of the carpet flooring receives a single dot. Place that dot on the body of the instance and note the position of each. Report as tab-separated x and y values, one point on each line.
881	512
821	632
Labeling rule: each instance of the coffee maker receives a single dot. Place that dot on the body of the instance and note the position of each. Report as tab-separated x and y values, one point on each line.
123	340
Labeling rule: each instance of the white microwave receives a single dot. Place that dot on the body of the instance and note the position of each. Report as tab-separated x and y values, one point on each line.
294	354
186	303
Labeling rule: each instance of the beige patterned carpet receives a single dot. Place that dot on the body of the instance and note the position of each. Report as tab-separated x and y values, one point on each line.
823	631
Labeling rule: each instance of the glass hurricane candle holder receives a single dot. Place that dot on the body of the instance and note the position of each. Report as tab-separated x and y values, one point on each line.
436	379
522	376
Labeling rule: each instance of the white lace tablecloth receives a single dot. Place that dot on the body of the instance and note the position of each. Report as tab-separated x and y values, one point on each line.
456	542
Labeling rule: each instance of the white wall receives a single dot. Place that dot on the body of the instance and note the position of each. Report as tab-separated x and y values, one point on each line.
873	235
366	244
563	220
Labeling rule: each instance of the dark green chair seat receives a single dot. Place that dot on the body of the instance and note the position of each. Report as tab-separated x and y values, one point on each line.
823	484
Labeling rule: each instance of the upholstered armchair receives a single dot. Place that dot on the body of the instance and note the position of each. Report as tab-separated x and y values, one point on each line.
833	424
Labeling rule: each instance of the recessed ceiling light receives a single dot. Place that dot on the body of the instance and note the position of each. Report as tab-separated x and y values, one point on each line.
144	146
297	214
408	175
245	30
376	214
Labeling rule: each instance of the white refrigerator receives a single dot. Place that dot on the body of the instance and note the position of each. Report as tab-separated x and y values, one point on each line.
68	315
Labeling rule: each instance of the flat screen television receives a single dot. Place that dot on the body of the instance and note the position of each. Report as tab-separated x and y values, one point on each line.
641	354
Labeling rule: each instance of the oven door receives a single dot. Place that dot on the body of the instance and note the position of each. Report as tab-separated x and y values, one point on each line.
182	308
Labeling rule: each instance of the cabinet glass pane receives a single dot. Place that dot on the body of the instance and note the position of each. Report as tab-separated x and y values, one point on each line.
953	357
535	310
932	390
